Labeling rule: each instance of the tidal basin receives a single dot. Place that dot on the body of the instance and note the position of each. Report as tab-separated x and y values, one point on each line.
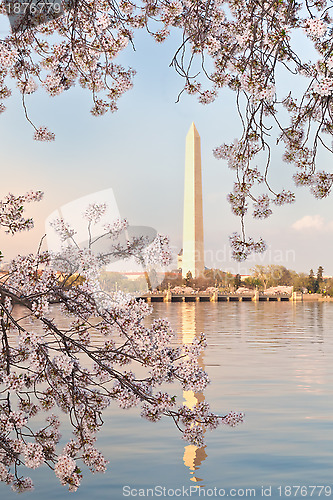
272	360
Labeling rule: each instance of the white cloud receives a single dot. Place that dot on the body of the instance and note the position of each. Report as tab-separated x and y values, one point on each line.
315	222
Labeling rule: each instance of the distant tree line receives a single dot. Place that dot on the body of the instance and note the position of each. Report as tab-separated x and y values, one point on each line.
211	278
261	278
273	275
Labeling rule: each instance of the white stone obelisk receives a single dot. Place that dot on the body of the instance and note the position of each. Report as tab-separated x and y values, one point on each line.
193	241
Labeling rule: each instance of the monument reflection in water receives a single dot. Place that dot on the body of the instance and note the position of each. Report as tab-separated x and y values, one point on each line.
193	455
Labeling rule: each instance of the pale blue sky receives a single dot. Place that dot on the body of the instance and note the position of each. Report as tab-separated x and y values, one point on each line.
139	152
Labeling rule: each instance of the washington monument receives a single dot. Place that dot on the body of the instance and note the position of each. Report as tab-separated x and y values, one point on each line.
193	245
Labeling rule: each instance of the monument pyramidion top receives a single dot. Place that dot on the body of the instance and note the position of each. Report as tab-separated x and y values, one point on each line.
193	129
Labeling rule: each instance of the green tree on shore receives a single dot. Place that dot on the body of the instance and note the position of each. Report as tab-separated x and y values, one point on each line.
237	281
311	282
319	279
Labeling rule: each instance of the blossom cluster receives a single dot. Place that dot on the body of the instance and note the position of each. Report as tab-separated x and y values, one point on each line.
66	470
12	210
315	28
115	229
158	251
94	212
43	134
55	364
33	454
63	229
233	418
242	247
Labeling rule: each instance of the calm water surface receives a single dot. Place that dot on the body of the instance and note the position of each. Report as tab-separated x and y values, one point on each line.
274	361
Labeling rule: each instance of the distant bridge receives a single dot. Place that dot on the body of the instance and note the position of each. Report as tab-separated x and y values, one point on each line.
168	296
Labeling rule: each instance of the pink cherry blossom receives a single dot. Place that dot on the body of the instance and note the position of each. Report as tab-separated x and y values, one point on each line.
55	364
